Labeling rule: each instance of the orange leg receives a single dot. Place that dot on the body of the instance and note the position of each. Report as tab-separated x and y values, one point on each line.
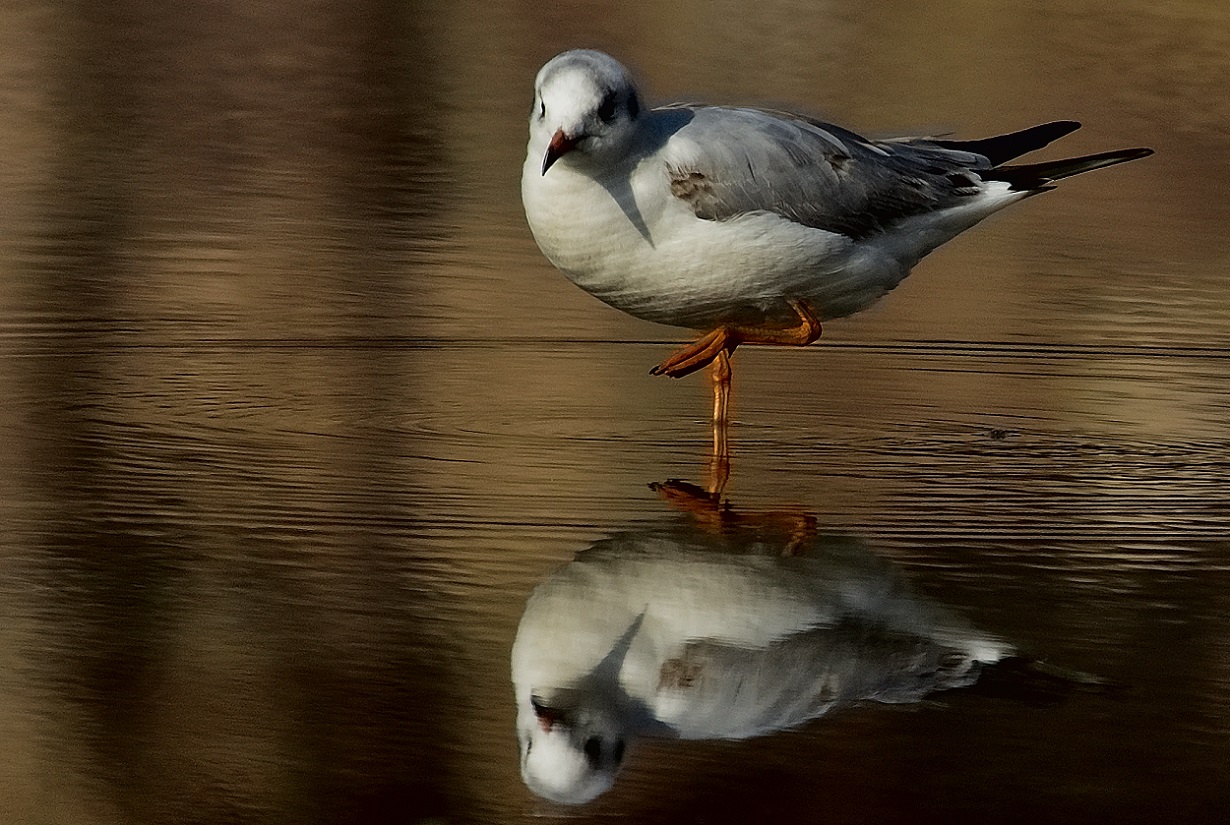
721	390
724	340
720	462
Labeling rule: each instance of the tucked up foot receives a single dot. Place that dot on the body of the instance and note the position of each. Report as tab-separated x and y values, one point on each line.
724	339
689	359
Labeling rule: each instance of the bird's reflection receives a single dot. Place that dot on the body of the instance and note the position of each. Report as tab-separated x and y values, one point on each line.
721	626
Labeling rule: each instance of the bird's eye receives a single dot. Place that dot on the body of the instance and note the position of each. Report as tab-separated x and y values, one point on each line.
606	110
542	109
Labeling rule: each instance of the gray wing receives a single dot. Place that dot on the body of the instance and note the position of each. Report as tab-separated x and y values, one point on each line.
728	162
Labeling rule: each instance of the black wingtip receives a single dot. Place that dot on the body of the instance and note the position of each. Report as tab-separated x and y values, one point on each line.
1033	176
1052	131
1003	148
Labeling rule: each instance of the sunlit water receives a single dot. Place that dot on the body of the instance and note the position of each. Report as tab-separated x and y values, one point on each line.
297	418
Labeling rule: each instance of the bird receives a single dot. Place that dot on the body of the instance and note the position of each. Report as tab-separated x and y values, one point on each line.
744	224
722	625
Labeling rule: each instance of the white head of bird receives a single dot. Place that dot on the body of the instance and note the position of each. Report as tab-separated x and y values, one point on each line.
585	107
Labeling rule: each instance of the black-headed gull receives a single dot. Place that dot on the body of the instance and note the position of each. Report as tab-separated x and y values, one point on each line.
749	225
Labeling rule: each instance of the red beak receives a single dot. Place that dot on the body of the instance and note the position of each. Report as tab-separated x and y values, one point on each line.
559	146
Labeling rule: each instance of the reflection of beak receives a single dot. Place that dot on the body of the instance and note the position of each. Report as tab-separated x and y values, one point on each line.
559	146
547	717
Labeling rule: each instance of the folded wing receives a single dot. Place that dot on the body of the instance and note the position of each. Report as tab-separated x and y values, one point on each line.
728	162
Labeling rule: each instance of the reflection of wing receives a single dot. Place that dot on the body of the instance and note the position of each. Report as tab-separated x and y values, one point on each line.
734	639
714	690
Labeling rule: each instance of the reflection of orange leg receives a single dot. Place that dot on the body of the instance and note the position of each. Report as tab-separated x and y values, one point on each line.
792	529
719	474
724	339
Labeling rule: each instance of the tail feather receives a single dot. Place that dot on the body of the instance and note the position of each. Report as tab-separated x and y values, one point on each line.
1027	176
1002	148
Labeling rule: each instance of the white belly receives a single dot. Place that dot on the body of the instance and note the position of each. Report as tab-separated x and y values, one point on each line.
645	252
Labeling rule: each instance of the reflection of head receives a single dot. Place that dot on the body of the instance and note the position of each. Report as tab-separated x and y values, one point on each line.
568	758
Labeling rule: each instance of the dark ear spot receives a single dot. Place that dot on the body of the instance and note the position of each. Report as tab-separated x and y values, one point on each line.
606	109
593	752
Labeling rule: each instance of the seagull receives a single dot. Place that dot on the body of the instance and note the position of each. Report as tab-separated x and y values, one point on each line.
747	225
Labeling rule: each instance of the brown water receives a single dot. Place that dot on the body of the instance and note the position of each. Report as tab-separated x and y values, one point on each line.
296	416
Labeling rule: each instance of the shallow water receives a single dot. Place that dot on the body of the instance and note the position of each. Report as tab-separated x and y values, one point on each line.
297	417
